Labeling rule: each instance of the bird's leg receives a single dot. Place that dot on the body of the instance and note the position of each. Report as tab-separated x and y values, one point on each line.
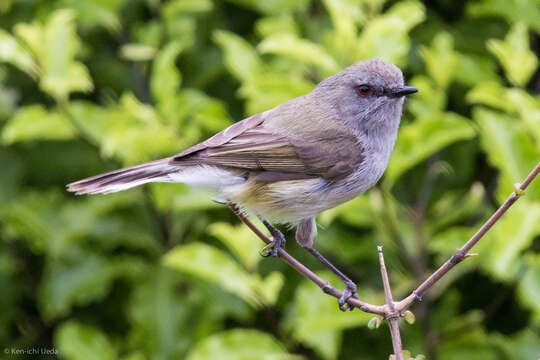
350	286
305	232
278	241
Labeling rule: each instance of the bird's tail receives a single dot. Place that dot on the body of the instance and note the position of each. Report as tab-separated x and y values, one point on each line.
122	179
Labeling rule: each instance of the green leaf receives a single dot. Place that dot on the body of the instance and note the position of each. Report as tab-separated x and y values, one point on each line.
317	321
509	237
513	11
89	119
453	207
82	279
77	341
513	100
514	54
299	49
356	212
156	314
386	35
137	52
91	13
344	15
524	345
528	108
274	6
492	94
270	286
34	122
474	69
166	78
33	37
440	59
181	7
273	25
239	344
424	137
429	101
268	90
240	58
5	6
474	344
55	45
130	131
61	74
241	241
213	265
11	51
197	112
529	286
509	147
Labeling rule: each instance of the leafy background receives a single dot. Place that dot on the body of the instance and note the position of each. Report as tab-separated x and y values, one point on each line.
161	272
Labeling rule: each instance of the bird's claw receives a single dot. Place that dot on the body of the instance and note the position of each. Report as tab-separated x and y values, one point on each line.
272	249
267	249
350	291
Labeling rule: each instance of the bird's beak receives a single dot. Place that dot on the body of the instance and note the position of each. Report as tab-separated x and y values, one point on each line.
404	90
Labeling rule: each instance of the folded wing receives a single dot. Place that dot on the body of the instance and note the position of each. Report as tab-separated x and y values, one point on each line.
274	157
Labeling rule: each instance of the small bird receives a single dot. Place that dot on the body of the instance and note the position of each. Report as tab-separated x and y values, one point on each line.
288	164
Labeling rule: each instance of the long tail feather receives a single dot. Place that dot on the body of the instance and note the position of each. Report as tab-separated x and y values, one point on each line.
126	178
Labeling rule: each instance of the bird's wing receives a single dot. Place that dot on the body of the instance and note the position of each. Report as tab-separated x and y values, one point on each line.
276	157
225	135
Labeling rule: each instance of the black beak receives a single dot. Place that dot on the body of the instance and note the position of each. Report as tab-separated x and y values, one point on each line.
404	90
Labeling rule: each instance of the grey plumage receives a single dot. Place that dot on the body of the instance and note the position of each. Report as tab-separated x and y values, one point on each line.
290	163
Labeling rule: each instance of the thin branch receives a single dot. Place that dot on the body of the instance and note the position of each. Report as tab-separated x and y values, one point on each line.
393	316
302	269
392	311
462	252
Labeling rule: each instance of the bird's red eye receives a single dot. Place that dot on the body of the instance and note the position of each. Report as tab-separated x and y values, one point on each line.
364	90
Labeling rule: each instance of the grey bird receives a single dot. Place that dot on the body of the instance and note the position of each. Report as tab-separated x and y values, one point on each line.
288	164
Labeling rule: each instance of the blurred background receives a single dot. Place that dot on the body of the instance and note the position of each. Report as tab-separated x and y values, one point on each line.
161	272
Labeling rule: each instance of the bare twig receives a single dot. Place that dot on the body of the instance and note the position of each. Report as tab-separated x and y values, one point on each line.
302	269
392	311
462	252
392	316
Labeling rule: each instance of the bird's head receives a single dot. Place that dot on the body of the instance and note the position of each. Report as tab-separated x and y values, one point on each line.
366	94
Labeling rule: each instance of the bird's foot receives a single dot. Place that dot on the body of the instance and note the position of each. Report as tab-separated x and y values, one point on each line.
350	291
278	242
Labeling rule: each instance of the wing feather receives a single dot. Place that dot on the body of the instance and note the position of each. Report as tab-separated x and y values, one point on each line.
276	157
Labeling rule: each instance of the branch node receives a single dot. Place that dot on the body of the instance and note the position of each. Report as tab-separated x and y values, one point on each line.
458	257
518	190
327	288
392	315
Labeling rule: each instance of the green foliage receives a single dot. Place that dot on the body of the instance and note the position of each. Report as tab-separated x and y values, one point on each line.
33	122
518	61
87	86
79	341
242	345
